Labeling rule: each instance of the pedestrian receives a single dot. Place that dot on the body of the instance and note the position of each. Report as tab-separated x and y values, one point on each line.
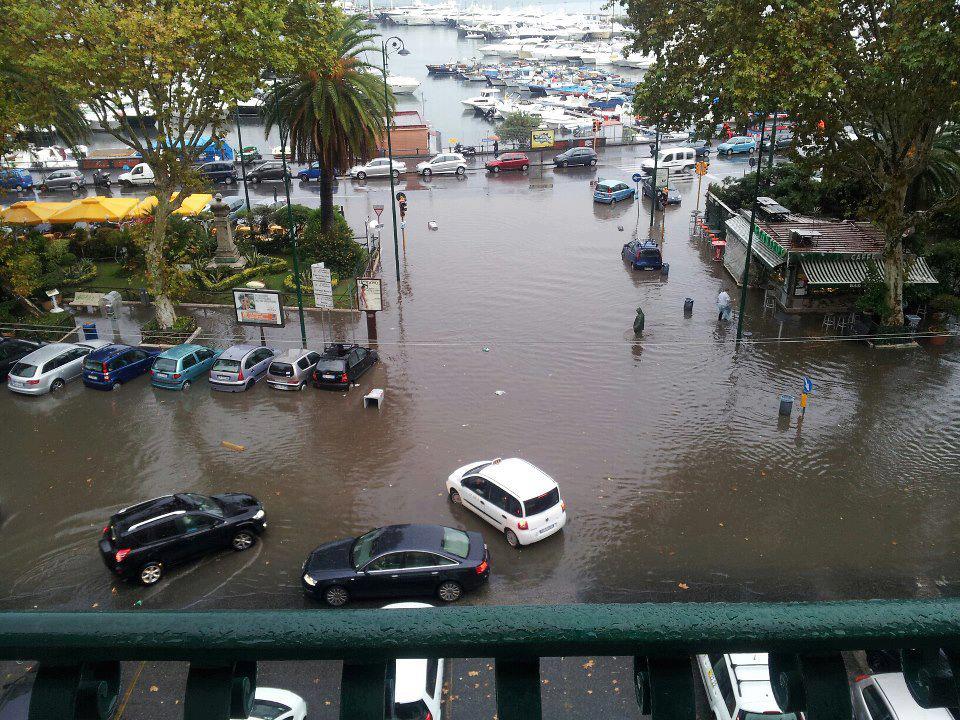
496	148
723	306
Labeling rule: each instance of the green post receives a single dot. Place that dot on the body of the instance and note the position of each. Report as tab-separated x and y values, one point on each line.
773	146
653	180
393	199
746	262
243	163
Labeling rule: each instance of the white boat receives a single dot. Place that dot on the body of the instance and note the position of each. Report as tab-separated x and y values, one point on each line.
50	157
485	101
403	85
475	36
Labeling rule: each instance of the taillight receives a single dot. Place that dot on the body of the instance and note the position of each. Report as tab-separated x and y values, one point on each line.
344	378
858	678
103	369
121	554
33	382
482	568
563	506
240	374
316	375
106	529
176	376
522	525
429	716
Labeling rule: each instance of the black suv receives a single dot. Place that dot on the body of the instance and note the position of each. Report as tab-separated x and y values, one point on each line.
142	541
272	170
341	365
11	350
217	172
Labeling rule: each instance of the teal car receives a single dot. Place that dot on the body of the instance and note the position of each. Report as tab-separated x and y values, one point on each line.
178	367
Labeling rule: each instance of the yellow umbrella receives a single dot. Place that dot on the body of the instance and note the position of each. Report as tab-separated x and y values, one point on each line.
31	212
145	206
96	209
194	204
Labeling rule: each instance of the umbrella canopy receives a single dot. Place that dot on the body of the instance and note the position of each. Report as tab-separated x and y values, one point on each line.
96	209
192	205
31	212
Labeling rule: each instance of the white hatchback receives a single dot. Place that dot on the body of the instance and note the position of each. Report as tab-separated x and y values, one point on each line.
443	163
514	496
416	684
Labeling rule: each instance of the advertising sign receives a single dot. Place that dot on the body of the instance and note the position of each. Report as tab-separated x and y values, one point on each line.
663	177
541	139
322	285
258	307
369	294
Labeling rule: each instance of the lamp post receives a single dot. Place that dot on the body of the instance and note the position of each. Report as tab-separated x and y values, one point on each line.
290	228
394	43
655	194
243	162
753	217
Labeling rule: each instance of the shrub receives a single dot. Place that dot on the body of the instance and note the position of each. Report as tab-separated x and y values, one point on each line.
873	301
335	248
182	329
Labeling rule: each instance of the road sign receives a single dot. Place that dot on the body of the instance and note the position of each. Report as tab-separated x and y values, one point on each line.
322	285
807	385
702	167
378	209
401	197
637	177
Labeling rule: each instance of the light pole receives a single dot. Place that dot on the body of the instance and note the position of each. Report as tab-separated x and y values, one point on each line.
395	43
290	228
655	194
243	163
753	217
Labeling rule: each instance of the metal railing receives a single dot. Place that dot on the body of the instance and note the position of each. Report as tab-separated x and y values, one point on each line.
79	654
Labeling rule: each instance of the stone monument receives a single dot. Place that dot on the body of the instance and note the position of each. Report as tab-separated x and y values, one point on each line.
227	254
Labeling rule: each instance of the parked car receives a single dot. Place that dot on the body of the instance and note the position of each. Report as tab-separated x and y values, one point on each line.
611	191
398	560
144	540
783	139
277	704
509	161
442	164
236	203
15	179
181	365
378	167
737	144
139	174
738	687
673	195
292	370
340	365
513	495
59	179
701	149
239	367
113	365
576	156
677	159
310	173
11	350
270	170
643	255
219	172
414	687
50	367
885	696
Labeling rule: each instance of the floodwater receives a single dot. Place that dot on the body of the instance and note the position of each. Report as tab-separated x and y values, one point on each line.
680	482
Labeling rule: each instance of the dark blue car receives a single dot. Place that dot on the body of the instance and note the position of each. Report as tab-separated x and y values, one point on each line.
111	366
15	179
643	255
310	173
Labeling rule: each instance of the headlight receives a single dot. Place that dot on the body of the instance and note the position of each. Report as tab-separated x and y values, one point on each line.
259	515
309	580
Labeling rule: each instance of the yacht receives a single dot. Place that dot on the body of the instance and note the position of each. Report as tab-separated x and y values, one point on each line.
50	157
403	85
484	102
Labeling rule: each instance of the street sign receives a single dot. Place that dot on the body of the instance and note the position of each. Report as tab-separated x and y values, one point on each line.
322	285
702	167
401	197
378	209
807	385
637	177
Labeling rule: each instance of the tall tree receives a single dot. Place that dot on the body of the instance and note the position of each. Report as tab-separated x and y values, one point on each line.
870	83
184	62
516	128
333	103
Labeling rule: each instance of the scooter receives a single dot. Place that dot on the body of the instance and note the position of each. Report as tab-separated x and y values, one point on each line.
467	150
101	179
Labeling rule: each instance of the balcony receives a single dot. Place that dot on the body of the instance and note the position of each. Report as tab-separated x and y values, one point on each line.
79	654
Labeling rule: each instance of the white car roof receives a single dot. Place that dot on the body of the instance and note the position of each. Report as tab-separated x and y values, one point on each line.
894	687
284	697
411	672
519	478
752	674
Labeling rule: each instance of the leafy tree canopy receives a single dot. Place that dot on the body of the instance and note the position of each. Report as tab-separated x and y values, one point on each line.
516	128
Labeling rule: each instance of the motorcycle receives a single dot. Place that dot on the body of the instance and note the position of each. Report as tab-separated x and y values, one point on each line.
101	179
466	150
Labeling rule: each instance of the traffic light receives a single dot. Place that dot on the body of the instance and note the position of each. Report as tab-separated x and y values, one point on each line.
403	209
597	124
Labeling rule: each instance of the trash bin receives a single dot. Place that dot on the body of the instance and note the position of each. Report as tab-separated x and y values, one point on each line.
144	298
786	405
90	331
688	305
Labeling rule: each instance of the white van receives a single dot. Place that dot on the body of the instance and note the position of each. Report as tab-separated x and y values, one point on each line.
678	159
140	174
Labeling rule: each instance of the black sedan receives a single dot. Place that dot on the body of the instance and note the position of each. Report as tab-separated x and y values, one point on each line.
272	170
143	540
11	350
398	560
342	364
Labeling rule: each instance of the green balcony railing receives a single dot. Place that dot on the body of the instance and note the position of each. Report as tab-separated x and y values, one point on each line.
79	654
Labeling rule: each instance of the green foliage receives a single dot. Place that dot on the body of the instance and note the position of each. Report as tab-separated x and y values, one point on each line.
30	264
873	300
516	127
182	327
206	282
46	326
335	247
944	259
946	303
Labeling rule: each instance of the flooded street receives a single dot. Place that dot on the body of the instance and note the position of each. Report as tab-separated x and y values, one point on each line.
679	480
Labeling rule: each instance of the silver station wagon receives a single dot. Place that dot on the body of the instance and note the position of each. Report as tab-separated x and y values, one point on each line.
51	367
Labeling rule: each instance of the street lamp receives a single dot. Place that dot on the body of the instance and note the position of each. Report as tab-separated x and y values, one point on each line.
396	44
290	227
243	163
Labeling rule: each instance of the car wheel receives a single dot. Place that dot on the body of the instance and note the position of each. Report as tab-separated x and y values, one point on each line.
496	168
512	539
455	497
243	540
150	573
427	172
303	386
396	174
115	386
186	385
751	151
525	168
57	385
336	596
74	186
593	161
361	176
233	180
257	179
561	164
461	170
43	188
449	591
250	383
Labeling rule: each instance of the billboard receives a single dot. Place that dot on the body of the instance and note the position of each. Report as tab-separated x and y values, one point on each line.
258	307
369	294
541	139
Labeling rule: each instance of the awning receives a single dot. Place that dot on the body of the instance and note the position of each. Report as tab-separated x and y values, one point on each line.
31	212
95	209
192	204
740	228
848	271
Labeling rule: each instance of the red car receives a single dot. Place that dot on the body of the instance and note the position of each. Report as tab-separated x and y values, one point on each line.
509	161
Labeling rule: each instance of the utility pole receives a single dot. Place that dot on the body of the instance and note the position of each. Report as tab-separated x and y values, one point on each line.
396	44
746	262
653	180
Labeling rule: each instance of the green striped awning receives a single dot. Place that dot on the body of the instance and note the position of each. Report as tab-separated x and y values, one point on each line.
849	271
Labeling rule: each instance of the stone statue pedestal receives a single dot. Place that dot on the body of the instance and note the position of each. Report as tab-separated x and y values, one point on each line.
227	254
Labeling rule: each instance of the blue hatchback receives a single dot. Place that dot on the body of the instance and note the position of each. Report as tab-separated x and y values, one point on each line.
178	367
15	179
311	173
611	191
111	366
643	255
737	144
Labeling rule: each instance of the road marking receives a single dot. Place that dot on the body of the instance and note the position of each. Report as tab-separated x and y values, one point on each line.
129	692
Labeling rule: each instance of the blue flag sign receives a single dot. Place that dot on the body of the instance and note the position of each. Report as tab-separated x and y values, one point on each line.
637	177
807	385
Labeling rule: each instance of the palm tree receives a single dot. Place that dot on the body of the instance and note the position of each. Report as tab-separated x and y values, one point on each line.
334	113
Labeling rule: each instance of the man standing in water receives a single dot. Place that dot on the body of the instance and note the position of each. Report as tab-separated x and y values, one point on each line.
723	306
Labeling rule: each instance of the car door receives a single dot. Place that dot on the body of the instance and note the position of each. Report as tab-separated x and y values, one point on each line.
137	362
201	533
72	366
421	572
189	368
498	506
354	365
475	496
205	359
381	576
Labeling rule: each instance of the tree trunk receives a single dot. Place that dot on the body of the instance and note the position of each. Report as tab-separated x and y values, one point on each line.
893	275
326	196
892	211
156	262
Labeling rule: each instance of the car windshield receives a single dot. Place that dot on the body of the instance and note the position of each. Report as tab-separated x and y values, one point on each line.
207	504
331	366
542	503
363	547
226	365
267	710
24	370
456	542
165	365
